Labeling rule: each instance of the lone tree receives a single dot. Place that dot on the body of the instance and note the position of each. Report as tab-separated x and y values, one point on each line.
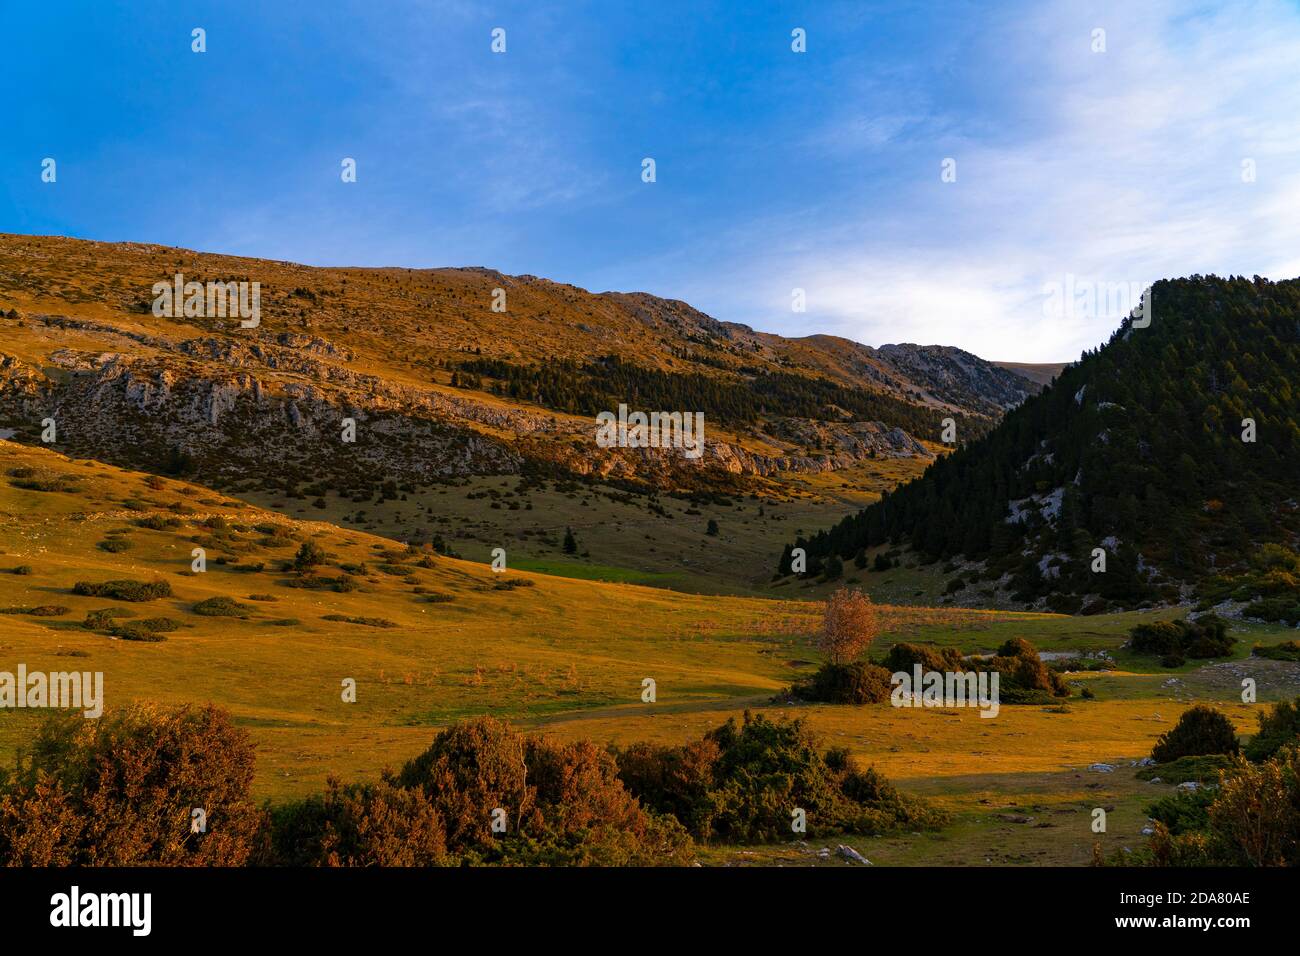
849	627
309	555
570	542
712	528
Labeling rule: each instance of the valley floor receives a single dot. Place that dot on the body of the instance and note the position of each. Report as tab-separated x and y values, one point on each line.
429	640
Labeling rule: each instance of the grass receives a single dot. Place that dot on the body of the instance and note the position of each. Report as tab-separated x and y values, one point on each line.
567	656
624	539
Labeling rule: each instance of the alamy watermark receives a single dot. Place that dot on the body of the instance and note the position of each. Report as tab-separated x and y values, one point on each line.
69	690
212	300
923	688
1074	297
626	429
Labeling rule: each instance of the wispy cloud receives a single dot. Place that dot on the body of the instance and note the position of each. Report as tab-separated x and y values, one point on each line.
1126	167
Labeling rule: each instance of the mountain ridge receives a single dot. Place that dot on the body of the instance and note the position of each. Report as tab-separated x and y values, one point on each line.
406	348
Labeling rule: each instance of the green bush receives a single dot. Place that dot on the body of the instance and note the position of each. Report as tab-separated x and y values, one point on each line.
40	610
509	584
1251	819
1200	730
359	825
322	582
1172	641
125	590
366	621
1279	727
1281	609
1183	811
1022	676
157	522
310	555
220	606
857	682
1203	769
135	631
742	782
1286	651
102	619
902	657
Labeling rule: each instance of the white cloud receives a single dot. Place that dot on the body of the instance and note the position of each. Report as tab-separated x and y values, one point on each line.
1123	167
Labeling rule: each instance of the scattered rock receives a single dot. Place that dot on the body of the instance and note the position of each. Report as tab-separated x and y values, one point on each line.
852	855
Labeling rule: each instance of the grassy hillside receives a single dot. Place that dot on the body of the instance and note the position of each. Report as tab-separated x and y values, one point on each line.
563	655
439	383
427	638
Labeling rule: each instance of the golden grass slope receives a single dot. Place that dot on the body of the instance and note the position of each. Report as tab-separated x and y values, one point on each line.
553	646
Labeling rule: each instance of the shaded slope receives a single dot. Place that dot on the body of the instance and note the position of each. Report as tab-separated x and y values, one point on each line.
1137	449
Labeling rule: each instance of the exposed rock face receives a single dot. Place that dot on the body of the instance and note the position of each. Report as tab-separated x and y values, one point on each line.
237	409
960	378
383	347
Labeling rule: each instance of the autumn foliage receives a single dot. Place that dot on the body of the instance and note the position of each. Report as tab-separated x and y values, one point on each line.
849	626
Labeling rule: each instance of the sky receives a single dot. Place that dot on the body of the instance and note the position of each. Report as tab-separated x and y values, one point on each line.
1001	176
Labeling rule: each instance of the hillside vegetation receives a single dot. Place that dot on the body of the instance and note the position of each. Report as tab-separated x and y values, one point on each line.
439	383
1174	448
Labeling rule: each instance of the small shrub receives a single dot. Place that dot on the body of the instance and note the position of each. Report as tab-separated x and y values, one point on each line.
1279	727
739	782
903	656
564	802
157	522
509	584
125	590
1286	651
323	582
1203	769
134	631
220	606
366	621
102	620
1200	730
359	825
309	555
1173	641
40	610
34	479
857	682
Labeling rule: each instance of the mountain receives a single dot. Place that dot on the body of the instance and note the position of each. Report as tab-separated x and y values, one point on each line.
1042	372
1174	449
438	384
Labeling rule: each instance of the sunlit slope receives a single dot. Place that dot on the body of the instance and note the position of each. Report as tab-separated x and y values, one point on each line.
426	638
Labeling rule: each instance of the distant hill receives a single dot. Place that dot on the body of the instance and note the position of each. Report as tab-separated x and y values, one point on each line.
439	383
1042	373
1137	449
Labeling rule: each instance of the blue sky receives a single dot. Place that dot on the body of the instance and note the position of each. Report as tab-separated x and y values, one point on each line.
1075	168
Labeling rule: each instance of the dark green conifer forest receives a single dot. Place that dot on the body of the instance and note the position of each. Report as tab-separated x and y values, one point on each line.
1142	448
